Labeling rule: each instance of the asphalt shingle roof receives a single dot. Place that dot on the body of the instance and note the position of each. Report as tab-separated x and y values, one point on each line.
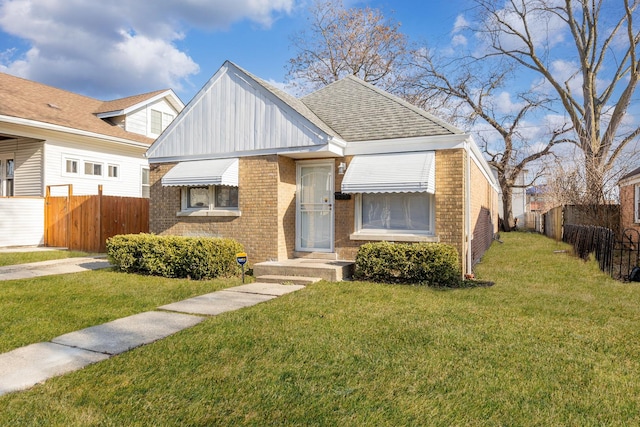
30	100
358	111
123	103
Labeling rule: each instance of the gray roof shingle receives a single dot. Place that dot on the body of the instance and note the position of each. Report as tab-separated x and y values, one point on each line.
359	111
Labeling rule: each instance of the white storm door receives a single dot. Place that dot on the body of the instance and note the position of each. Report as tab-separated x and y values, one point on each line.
314	207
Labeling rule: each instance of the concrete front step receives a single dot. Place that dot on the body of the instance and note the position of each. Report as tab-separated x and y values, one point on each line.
333	271
331	256
293	280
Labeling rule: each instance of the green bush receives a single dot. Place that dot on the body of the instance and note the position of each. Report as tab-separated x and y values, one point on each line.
432	264
174	256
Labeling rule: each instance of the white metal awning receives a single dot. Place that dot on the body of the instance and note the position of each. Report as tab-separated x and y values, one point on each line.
391	173
203	172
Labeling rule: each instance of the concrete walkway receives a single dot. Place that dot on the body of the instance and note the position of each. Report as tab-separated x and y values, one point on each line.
56	266
27	366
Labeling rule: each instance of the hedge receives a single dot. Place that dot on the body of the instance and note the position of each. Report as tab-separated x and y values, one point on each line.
432	264
174	256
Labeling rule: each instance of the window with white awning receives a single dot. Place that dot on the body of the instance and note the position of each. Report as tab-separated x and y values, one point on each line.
394	194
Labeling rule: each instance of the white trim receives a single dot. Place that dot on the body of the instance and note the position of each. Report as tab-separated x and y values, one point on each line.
176	103
636	203
57	128
635	179
323	151
209	213
393	237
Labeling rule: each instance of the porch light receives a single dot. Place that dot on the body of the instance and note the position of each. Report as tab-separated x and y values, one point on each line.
342	167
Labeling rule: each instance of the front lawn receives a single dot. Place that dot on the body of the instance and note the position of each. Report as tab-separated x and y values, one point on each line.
553	342
42	308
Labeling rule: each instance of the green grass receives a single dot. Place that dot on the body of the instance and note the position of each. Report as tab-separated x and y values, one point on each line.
12	258
553	342
42	308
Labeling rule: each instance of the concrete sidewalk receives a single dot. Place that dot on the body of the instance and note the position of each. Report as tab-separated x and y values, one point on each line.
55	266
27	366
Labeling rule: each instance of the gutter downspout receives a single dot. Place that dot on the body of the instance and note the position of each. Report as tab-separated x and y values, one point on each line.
467	209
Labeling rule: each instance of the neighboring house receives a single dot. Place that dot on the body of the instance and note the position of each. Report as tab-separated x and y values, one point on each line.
52	137
320	175
629	186
537	199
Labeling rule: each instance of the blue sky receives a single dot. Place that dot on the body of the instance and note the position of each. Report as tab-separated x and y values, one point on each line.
120	48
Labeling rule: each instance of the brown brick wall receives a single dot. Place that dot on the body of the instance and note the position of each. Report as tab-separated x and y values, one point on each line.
267	201
258	229
484	213
450	166
627	210
286	207
345	219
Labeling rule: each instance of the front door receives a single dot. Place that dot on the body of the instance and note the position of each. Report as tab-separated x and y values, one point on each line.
314	207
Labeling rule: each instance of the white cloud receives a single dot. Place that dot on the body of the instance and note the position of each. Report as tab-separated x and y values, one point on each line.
121	46
460	24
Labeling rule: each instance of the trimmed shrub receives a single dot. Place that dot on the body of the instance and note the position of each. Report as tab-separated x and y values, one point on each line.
432	264
174	256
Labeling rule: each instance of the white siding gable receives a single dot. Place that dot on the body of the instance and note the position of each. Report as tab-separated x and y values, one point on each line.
139	120
233	115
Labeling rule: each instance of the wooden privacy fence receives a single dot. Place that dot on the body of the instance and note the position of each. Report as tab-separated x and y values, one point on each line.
84	223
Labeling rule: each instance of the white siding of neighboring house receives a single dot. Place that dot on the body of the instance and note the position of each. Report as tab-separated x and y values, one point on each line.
22	221
139	121
253	119
27	154
518	201
129	160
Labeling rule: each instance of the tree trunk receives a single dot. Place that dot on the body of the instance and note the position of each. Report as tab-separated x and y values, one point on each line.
508	222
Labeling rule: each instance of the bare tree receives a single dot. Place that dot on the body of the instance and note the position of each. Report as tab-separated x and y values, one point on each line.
603	43
472	90
340	42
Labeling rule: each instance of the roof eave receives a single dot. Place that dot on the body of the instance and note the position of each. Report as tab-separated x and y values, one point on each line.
57	128
174	101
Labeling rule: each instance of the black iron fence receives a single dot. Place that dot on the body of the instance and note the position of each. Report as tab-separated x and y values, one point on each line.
615	256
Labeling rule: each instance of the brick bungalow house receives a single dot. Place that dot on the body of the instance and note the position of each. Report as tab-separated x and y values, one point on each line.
629	186
319	175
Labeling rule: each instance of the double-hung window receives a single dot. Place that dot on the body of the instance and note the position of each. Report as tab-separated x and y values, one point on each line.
402	213
636	203
209	198
92	168
7	166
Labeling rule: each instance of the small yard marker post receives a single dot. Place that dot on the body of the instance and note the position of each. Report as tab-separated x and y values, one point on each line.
241	258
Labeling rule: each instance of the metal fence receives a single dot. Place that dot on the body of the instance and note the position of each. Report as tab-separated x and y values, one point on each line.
615	256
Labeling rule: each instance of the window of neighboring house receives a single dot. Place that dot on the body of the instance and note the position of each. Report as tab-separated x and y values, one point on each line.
166	120
209	198
91	168
114	171
71	166
395	213
7	166
156	122
636	203
145	183
160	121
